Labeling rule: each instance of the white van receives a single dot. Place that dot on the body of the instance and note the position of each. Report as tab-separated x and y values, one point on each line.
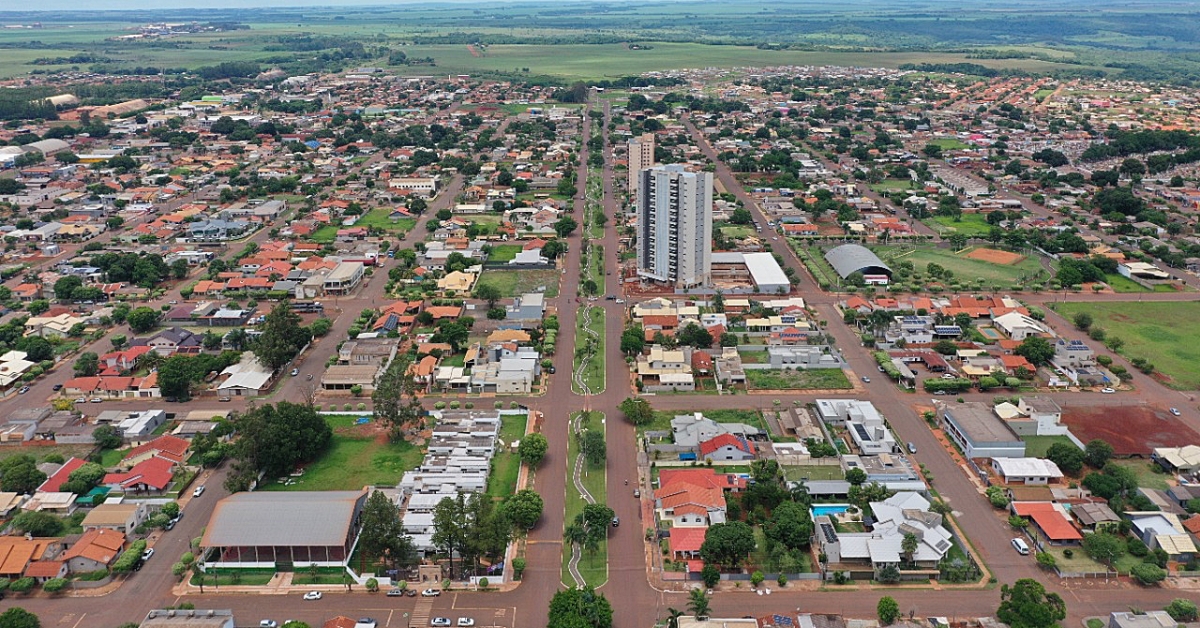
1020	546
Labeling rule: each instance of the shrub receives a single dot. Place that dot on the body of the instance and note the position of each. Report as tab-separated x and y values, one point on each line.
1182	610
372	585
54	585
518	567
1147	573
22	585
441	405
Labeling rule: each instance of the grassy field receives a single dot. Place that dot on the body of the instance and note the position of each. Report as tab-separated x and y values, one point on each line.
950	143
378	218
592	566
1145	472
1159	332
506	465
40	453
815	472
517	282
593	373
1036	446
970	225
966	270
798	379
1122	284
504	252
891	185
354	461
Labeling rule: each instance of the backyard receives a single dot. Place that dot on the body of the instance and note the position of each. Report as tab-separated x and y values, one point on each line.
1159	332
796	379
358	456
593	566
513	283
1036	446
503	253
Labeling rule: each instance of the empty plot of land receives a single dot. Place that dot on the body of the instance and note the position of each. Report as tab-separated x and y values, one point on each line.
1163	333
973	265
517	282
1131	430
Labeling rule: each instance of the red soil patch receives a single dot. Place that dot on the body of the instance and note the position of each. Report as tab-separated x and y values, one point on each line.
1131	430
993	256
474	52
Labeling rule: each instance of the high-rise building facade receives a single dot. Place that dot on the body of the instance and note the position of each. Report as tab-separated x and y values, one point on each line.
641	156
674	213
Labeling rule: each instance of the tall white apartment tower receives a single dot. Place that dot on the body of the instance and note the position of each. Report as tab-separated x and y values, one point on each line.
674	213
641	156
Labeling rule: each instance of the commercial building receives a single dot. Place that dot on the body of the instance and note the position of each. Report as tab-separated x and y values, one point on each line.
848	259
641	156
302	528
344	277
674	217
980	433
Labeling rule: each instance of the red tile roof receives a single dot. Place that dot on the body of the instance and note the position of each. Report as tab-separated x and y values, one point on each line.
54	482
166	446
687	539
1053	523
153	472
722	440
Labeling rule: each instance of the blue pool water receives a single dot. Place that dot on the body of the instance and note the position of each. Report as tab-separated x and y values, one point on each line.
829	509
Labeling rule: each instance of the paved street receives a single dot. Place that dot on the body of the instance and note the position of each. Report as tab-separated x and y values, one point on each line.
636	602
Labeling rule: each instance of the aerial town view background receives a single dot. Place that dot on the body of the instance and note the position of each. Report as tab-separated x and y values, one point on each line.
599	315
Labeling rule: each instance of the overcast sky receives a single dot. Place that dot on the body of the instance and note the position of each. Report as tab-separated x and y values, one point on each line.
141	5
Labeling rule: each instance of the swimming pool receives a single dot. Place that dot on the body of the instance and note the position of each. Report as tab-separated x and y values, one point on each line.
829	509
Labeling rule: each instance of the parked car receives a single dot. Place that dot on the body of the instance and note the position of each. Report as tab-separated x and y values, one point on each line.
1108	391
268	623
199	491
621	301
616	521
96	400
637	493
939	392
1175	411
440	621
147	554
81	400
466	622
309	377
1021	547
312	595
295	372
57	387
947	376
912	448
866	380
410	592
395	593
431	593
24	389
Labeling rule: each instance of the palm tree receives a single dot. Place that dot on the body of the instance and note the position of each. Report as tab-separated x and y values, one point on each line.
909	545
698	603
673	616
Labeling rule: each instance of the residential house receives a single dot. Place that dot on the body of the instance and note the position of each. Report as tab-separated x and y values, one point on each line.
149	477
690	430
661	370
1034	471
727	447
95	550
901	514
122	517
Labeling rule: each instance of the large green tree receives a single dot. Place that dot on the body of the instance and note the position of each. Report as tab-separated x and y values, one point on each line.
790	525
727	543
524	508
1026	604
20	474
1036	349
143	319
273	439
382	537
580	608
532	449
17	617
282	337
637	411
450	527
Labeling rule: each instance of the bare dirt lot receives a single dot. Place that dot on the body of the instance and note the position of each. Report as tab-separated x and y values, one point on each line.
1131	430
995	257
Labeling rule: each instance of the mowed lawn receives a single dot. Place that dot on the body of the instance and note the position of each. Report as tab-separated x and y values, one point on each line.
506	465
967	224
517	282
353	461
1163	333
966	269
